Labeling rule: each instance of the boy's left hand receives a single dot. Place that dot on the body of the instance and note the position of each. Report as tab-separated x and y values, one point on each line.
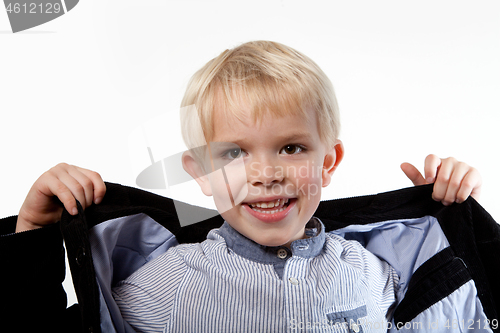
453	181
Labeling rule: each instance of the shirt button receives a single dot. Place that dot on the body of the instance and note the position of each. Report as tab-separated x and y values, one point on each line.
293	281
282	253
355	327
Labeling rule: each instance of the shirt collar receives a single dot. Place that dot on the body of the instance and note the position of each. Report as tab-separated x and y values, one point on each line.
247	248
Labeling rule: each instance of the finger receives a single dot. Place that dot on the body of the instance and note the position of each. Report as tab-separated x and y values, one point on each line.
442	179
470	186
431	168
86	185
75	187
476	191
97	182
57	188
455	184
413	174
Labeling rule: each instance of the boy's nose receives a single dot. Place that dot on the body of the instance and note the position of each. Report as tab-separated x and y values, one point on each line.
261	173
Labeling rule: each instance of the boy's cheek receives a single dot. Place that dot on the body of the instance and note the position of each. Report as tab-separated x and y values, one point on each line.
237	180
226	195
310	190
220	191
228	184
309	182
310	173
239	195
309	170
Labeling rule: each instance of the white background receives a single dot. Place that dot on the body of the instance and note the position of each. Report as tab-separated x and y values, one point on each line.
411	77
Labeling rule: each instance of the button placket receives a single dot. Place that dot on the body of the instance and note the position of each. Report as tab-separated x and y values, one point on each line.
295	287
354	326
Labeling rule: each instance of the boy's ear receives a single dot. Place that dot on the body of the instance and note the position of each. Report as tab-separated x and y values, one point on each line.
191	165
332	159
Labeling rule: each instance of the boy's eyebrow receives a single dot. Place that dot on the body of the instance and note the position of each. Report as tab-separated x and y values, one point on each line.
290	138
300	136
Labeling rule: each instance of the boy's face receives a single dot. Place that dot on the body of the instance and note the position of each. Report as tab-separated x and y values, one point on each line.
274	170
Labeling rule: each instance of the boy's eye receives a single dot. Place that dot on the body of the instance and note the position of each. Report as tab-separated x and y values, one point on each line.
233	153
291	149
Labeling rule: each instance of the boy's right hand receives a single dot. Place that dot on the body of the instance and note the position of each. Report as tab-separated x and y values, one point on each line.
67	183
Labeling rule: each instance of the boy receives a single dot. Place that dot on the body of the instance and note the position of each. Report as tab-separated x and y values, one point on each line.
268	116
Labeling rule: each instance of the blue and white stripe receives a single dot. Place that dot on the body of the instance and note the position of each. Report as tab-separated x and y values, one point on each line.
212	287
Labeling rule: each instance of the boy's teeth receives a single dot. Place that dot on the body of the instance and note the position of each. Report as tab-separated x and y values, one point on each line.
269	204
269	211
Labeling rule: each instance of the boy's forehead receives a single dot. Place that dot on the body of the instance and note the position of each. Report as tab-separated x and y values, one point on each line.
228	127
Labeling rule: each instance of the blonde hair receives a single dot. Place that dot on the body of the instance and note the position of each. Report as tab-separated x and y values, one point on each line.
263	77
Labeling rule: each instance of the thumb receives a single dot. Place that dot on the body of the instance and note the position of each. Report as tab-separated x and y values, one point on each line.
413	174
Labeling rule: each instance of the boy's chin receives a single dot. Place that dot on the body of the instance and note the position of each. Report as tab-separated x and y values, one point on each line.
278	240
259	238
270	244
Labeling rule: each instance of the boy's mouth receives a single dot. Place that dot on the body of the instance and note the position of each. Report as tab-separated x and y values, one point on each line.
270	211
270	207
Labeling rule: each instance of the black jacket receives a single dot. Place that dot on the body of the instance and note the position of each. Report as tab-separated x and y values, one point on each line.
33	300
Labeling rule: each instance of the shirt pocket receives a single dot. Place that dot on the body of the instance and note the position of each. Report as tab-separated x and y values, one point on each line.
348	321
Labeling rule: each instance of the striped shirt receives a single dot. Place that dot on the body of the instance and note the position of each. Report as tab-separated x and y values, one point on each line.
228	283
